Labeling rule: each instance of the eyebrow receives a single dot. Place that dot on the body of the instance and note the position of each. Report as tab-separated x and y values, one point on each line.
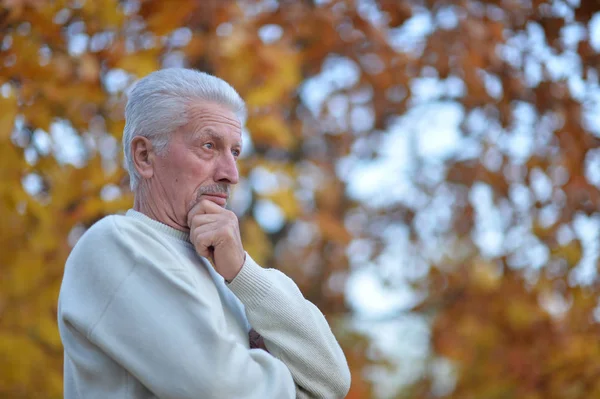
214	136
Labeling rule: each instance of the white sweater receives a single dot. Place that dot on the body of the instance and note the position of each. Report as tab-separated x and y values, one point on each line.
141	315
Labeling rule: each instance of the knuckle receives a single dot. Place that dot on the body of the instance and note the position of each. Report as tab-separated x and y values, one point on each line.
231	227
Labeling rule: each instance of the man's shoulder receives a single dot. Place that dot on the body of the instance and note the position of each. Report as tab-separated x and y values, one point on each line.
116	226
124	234
105	228
112	241
112	232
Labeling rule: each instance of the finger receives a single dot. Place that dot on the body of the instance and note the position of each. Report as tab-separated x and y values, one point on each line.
203	207
203	241
210	207
195	210
199	209
203	219
212	228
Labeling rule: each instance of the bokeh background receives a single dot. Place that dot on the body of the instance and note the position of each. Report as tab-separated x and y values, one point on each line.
428	172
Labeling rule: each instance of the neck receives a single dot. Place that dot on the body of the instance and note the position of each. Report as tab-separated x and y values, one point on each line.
147	205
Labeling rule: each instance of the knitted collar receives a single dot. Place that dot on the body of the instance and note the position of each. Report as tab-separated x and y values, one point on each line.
181	235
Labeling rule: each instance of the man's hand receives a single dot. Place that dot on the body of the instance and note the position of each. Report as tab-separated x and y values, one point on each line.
215	233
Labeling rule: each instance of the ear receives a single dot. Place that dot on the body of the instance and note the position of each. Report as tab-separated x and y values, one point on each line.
143	155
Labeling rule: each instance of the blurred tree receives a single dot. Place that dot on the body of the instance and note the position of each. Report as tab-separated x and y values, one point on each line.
498	233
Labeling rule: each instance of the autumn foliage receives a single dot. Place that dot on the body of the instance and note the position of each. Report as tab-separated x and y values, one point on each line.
496	233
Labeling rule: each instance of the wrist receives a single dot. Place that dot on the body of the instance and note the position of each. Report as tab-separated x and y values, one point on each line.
229	279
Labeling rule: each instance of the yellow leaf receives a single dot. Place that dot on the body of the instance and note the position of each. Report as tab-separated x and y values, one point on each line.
162	17
47	328
105	14
264	95
234	44
271	130
39	115
89	68
571	252
486	275
281	70
521	315
19	357
332	228
9	108
287	202
140	63
256	241
196	46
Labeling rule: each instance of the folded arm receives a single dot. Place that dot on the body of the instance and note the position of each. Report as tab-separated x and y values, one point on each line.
294	330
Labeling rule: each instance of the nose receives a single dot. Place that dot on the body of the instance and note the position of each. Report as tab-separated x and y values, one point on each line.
227	171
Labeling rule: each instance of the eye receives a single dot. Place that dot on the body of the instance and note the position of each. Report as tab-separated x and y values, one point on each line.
208	146
236	153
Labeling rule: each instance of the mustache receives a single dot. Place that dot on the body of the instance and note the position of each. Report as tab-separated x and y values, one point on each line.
219	188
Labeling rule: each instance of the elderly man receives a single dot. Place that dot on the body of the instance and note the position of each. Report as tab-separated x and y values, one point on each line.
160	302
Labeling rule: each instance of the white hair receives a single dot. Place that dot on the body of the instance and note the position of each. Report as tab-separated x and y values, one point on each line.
157	105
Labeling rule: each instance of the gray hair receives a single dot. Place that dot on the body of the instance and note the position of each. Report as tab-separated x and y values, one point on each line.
157	104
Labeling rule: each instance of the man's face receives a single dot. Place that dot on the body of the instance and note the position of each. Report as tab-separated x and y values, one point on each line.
200	160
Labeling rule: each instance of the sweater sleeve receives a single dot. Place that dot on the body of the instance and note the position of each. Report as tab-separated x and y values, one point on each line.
162	330
294	330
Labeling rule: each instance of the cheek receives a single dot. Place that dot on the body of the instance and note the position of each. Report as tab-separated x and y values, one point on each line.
181	170
174	176
199	170
187	171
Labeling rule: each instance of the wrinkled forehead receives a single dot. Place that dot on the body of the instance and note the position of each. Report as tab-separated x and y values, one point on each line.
214	118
